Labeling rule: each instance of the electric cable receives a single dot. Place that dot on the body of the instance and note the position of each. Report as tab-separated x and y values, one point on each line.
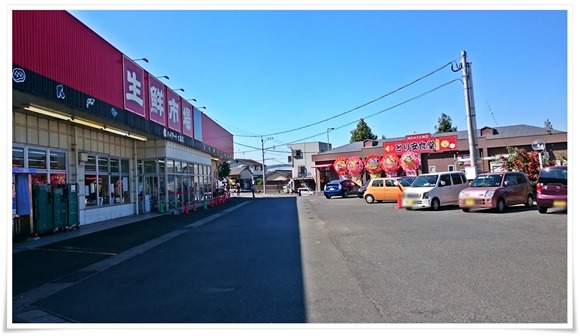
358	107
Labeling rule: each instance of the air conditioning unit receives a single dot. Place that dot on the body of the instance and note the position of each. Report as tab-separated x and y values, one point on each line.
83	157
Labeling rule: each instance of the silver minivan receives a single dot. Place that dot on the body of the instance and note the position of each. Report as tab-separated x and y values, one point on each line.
434	190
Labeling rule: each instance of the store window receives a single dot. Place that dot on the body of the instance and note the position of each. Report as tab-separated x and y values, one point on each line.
18	157
57	160
36	158
107	181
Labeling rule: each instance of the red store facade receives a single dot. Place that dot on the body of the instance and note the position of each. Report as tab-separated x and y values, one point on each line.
95	131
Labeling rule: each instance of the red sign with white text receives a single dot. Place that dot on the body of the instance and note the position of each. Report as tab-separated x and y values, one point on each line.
187	117
173	111
421	143
134	87
157	108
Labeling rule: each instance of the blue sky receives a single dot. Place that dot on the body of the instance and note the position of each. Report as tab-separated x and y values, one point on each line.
266	72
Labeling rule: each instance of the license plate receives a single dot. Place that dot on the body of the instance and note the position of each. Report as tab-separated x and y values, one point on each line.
469	202
559	203
409	202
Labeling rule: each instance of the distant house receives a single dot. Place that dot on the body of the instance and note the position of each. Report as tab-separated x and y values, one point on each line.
255	166
242	176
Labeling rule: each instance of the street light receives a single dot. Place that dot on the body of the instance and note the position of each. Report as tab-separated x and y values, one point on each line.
166	77
192	99
328	138
141	59
180	89
539	145
264	165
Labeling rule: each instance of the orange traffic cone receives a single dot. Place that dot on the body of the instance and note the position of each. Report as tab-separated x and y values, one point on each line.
186	209
399	205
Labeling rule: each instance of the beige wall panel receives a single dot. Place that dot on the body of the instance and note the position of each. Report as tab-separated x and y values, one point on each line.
20	118
19	134
31	121
53	139
63	141
63	128
43	137
53	125
32	136
94	146
100	146
43	123
149	153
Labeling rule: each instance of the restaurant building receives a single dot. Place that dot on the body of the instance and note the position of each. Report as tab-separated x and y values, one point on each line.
416	154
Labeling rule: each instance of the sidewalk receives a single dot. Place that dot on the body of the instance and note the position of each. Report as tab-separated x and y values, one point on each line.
34	242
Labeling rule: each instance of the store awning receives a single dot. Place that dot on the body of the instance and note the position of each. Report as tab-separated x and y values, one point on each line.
326	165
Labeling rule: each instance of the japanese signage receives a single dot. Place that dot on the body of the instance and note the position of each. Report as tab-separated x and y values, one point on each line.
173	111
157	101
187	117
134	87
421	143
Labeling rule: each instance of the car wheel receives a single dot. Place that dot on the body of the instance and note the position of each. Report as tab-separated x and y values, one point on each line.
369	198
327	196
500	207
529	201
465	209
542	210
435	204
345	194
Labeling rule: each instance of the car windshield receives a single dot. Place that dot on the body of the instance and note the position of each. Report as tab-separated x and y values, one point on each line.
334	182
425	181
404	182
487	181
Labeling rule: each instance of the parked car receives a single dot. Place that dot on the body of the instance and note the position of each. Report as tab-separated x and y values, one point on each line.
408	179
497	191
385	189
434	190
361	191
552	188
342	188
305	191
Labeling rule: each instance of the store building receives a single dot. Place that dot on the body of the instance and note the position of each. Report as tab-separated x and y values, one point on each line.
93	130
436	152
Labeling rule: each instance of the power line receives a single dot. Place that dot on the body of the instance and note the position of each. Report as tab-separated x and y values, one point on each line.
358	107
369	116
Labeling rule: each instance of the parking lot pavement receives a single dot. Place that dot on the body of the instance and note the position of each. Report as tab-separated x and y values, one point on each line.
447	266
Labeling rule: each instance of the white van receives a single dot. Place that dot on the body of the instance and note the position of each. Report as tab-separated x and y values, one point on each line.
434	190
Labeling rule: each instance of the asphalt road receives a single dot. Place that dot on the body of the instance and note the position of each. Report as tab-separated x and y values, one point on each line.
308	260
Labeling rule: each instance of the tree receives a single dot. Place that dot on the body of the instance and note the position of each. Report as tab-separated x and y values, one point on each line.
525	162
224	170
362	132
445	125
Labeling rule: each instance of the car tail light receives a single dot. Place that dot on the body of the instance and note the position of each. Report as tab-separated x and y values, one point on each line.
539	188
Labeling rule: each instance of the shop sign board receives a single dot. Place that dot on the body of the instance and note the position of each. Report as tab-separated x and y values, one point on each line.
421	143
173	111
134	87
157	108
187	117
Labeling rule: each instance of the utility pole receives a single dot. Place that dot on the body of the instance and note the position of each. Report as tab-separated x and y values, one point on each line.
264	165
470	111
